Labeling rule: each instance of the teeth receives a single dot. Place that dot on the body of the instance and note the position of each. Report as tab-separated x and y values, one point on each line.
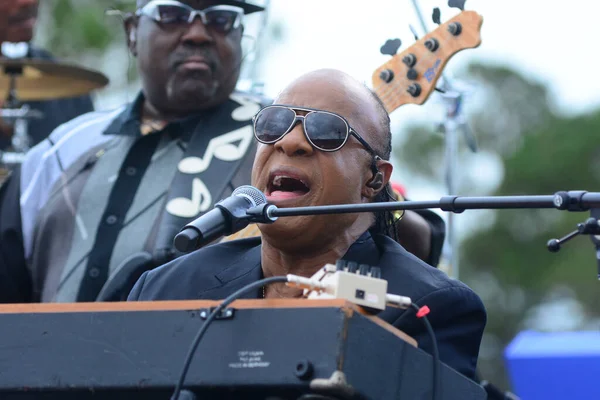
277	180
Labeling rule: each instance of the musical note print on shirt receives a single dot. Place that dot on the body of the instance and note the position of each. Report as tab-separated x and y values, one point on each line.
223	147
247	109
231	146
188	208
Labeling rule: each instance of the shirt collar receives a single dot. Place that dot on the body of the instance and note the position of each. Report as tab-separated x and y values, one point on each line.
129	121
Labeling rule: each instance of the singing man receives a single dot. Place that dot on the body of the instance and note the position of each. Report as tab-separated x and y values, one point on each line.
327	140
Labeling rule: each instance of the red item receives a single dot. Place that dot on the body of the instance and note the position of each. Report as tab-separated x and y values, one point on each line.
423	311
398	188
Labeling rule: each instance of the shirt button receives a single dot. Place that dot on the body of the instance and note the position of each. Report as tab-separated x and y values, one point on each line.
111	220
94	272
130	171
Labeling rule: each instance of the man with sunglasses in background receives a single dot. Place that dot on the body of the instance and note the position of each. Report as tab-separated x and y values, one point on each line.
17	25
327	141
103	203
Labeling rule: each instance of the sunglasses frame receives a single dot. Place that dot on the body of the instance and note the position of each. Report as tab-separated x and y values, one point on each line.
302	118
150	10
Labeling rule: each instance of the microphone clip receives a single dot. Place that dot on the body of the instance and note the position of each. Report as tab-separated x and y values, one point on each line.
261	214
590	227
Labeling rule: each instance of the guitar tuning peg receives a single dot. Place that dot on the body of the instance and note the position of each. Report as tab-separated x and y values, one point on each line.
391	47
436	16
460	4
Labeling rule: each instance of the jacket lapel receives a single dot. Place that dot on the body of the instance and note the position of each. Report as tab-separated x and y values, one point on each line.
243	271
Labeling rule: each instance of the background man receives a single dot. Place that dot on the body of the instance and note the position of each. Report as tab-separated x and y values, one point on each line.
300	164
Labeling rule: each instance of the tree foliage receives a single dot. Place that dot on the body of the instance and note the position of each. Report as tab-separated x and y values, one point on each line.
73	26
509	264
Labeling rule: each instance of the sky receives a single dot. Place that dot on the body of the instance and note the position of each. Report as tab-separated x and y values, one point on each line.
550	41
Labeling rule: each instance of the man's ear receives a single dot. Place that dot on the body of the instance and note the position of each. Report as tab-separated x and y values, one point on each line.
130	26
379	180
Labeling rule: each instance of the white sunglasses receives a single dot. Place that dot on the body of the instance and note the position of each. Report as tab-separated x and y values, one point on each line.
220	18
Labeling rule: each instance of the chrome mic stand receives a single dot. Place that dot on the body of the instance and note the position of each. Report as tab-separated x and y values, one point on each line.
453	123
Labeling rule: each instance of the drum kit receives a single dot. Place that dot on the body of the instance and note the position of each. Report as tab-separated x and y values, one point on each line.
25	79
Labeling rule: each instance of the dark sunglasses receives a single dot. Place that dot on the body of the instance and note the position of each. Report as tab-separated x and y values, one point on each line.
222	19
324	130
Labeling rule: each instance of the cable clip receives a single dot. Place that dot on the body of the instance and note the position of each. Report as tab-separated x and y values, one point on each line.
227	313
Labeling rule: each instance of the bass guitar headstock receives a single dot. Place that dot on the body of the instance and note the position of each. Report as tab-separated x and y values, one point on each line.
410	77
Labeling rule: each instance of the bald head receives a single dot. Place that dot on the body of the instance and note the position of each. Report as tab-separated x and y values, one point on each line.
334	90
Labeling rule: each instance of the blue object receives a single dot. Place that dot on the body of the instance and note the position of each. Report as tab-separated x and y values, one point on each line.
557	365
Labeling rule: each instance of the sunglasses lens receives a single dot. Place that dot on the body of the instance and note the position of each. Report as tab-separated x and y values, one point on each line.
272	123
169	14
326	131
221	20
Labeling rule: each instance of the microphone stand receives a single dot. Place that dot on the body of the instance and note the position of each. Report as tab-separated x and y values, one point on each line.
573	201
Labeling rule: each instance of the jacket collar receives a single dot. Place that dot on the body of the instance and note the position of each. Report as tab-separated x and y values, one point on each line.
247	269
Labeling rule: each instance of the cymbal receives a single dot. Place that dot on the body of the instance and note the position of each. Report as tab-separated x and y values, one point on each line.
47	80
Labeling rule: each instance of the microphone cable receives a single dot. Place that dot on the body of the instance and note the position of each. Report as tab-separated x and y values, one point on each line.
421	312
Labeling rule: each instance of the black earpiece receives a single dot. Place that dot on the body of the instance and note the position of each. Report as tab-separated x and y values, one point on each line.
377	182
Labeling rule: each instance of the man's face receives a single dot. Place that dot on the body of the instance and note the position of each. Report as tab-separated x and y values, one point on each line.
21	17
186	67
292	173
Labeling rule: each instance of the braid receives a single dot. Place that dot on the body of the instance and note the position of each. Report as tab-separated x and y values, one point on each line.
384	220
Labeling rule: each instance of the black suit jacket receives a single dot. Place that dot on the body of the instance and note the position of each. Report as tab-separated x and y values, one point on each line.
457	314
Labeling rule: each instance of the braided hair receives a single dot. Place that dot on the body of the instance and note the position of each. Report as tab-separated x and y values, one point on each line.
384	220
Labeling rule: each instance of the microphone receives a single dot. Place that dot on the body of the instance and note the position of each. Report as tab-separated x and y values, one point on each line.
228	216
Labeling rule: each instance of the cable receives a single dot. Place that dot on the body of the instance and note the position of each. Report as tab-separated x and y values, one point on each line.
211	317
422	312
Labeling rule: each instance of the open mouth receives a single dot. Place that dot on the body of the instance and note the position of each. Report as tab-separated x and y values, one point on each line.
282	187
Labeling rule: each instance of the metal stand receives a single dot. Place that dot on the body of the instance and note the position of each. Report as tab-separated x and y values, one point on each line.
590	227
20	138
453	123
17	115
253	85
14	112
